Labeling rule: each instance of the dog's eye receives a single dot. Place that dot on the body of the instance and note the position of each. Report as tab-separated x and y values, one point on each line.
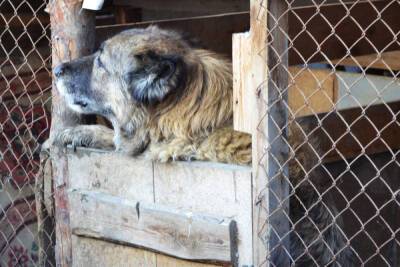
99	63
139	57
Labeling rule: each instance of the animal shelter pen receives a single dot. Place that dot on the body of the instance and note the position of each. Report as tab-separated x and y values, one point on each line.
316	84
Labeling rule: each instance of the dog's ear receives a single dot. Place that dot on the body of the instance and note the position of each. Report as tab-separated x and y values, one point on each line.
157	76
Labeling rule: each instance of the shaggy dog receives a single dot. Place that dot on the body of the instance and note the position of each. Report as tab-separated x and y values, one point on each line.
162	93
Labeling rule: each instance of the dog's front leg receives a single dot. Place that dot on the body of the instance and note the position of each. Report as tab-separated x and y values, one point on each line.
131	144
93	136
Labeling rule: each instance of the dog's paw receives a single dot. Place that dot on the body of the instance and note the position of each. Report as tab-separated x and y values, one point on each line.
75	137
173	151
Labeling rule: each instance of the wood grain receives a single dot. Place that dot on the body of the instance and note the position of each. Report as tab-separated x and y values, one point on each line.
72	36
386	61
183	235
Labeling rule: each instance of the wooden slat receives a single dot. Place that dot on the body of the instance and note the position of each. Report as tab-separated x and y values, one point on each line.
162	229
243	95
311	91
89	252
354	133
186	186
112	174
72	37
386	61
274	126
256	74
209	188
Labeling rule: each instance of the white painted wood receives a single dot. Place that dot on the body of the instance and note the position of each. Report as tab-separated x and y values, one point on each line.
159	228
357	90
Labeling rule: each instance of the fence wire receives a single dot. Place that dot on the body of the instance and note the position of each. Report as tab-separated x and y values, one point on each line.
332	195
25	84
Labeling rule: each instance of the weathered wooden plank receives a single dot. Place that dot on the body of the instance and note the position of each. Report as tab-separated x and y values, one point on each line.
243	97
72	36
358	90
111	173
272	106
266	79
311	91
45	211
166	230
256	74
89	252
209	188
354	132
165	261
386	60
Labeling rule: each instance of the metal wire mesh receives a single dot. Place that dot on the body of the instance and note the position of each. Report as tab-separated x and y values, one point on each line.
25	84
332	195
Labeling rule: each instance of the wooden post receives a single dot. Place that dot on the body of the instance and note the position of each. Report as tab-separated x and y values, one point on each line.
73	36
277	100
260	67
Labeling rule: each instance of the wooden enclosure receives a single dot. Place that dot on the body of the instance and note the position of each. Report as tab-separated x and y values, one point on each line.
111	210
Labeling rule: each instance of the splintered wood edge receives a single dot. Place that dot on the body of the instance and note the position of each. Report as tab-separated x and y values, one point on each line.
184	235
83	151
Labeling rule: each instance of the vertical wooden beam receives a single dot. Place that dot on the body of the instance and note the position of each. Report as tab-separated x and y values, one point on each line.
72	36
278	153
260	72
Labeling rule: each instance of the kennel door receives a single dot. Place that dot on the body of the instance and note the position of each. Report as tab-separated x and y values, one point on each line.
135	212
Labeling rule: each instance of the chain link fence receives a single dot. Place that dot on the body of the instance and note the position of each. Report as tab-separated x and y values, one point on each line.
25	85
332	196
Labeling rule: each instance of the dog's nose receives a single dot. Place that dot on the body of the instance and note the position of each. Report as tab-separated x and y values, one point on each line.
60	70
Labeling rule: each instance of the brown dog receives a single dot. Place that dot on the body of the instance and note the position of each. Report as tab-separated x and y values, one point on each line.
156	88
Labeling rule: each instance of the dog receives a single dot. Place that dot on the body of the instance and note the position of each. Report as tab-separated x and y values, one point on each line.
173	100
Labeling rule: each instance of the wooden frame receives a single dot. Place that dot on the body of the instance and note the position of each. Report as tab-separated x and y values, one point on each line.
261	70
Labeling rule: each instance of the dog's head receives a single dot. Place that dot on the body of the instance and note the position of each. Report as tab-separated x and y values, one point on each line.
136	66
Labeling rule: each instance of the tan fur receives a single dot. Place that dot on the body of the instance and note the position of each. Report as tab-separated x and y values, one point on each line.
199	126
190	120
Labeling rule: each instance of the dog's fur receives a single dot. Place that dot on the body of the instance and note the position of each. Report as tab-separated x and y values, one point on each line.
158	90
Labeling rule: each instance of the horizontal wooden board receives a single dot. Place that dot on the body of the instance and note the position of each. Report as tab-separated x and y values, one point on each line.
91	252
311	91
209	188
386	60
355	132
155	227
358	90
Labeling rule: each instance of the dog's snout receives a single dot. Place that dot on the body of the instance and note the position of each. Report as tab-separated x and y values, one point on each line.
60	70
